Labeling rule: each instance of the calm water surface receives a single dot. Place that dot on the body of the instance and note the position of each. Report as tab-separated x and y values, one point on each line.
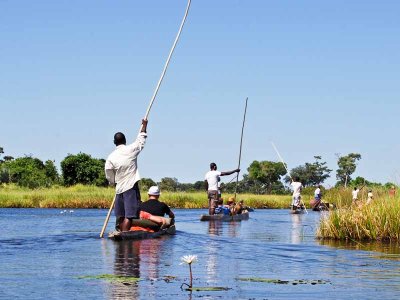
44	252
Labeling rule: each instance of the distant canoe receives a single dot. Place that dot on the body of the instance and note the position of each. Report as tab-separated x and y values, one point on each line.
225	218
141	234
324	207
298	211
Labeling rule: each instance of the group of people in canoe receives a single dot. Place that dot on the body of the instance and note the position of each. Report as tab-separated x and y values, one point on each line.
121	170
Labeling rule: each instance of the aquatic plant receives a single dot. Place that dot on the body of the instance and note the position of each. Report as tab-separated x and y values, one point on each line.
378	220
189	259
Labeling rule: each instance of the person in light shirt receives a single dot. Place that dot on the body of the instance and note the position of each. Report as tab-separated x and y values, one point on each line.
370	197
297	186
121	170
211	182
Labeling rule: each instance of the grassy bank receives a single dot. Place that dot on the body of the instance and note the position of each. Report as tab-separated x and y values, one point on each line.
80	196
378	221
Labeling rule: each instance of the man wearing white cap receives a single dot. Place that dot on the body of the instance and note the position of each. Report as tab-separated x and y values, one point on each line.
155	210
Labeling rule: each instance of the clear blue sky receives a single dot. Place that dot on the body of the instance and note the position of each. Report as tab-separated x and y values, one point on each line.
322	77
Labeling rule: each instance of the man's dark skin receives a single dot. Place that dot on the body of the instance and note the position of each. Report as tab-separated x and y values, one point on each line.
213	167
126	224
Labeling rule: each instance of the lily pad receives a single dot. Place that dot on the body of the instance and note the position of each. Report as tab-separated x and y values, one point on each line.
279	281
208	289
112	278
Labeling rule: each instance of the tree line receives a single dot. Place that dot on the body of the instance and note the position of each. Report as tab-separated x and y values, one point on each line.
262	177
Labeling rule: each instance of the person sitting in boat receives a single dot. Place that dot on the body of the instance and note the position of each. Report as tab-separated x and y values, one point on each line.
211	184
370	197
316	202
297	186
155	210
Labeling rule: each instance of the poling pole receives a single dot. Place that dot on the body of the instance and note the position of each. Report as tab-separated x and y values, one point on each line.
241	143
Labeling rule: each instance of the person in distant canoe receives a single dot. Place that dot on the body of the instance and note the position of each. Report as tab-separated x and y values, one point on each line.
392	192
355	192
317	197
121	169
297	186
155	210
211	183
370	197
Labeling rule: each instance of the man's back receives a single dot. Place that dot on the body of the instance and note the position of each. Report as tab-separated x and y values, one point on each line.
155	207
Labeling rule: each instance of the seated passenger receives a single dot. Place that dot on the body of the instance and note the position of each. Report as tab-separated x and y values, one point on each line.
155	210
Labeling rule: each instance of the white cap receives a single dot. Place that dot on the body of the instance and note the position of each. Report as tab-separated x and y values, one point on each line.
154	190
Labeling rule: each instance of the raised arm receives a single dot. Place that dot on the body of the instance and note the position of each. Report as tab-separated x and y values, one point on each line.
230	172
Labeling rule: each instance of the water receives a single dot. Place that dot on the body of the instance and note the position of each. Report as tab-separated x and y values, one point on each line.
44	252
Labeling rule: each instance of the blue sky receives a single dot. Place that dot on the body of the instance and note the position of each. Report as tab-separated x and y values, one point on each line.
322	78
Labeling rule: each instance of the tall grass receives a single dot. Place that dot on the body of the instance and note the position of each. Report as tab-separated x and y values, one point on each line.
81	196
378	220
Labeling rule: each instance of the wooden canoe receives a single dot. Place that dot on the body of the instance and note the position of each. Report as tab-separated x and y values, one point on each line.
225	218
140	234
297	211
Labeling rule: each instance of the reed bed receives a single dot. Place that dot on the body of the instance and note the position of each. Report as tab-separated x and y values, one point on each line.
81	196
377	221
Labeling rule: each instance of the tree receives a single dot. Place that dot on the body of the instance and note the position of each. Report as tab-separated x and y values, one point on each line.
311	174
82	168
347	165
169	184
28	172
146	183
51	171
266	172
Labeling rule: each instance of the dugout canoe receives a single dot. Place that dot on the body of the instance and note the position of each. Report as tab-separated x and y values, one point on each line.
298	211
143	229
225	218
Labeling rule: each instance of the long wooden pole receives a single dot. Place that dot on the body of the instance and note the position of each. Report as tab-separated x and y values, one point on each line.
283	162
154	96
241	143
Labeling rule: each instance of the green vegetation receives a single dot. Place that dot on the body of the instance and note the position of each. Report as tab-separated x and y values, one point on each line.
112	278
81	196
378	220
279	281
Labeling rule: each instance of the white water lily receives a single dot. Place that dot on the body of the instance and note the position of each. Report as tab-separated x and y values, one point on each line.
188	259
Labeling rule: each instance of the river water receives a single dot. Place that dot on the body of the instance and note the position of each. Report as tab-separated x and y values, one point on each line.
57	254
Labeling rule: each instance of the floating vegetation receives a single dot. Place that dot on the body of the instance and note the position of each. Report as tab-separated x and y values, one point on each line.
112	278
208	289
279	281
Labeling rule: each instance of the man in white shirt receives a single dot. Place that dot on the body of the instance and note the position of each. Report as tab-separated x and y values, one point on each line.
296	197
211	181
354	194
121	169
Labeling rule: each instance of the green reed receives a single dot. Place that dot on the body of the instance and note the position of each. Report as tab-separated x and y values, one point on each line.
378	220
82	196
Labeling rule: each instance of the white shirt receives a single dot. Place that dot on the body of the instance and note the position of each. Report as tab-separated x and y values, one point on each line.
212	179
317	192
355	194
296	186
121	164
370	196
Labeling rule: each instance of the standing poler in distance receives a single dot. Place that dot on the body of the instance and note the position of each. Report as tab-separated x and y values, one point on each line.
211	183
296	197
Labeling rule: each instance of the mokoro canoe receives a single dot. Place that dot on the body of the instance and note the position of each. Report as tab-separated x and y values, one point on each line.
297	211
226	218
140	234
324	207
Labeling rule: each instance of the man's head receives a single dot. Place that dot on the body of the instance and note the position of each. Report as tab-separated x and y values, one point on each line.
296	178
355	188
119	139
154	192
213	166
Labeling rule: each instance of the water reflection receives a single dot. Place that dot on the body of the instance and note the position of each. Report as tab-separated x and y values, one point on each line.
388	250
126	263
215	227
297	229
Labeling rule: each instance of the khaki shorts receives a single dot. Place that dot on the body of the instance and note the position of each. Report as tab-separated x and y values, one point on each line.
212	199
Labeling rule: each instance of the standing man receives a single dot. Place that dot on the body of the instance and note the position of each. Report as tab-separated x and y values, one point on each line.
211	183
296	197
121	169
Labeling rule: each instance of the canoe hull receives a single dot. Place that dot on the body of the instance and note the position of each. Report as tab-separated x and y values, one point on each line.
225	218
140	234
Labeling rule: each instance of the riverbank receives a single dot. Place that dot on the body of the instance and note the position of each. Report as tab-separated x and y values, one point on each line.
81	196
377	221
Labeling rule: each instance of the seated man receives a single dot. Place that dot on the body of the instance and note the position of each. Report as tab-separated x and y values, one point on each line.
154	210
